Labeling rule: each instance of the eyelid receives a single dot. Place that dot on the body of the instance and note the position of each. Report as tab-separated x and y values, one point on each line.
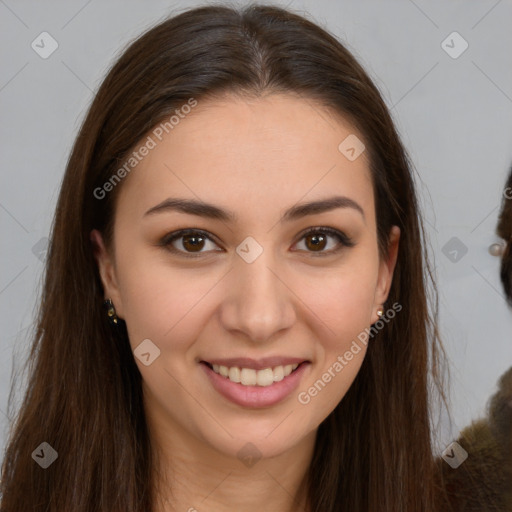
343	239
335	233
176	235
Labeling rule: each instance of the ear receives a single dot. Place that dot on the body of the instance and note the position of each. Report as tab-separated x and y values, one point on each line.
107	270
386	269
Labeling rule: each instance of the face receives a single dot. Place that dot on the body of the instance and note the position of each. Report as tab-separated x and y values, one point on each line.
266	280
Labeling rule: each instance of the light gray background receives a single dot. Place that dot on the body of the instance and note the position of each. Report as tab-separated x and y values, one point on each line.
454	114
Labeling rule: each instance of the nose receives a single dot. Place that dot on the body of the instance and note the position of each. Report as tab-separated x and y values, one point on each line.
260	301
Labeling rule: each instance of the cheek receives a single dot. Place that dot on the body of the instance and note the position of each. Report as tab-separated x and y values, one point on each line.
167	304
343	300
343	305
160	302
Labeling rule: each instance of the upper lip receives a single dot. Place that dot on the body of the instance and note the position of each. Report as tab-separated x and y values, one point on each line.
259	364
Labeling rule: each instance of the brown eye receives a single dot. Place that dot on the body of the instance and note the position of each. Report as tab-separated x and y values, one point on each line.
317	239
193	243
188	242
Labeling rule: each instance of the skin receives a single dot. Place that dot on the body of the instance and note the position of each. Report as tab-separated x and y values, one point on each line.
257	158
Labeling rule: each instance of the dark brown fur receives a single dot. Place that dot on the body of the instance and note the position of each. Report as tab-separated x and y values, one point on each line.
483	482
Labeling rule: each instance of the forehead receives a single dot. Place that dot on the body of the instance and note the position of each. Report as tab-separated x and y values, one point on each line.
246	153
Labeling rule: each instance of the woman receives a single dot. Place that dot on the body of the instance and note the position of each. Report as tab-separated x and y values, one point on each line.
285	366
483	482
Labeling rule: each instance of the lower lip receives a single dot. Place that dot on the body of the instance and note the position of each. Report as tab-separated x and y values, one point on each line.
255	396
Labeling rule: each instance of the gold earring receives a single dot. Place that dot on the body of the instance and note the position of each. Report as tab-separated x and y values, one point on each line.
111	311
380	312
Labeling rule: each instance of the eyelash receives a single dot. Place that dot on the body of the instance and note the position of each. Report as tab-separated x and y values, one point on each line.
166	242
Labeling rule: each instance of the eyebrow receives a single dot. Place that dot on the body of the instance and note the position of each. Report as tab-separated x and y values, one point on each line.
202	209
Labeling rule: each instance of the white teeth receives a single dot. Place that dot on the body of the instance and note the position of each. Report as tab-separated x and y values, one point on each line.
278	373
234	373
250	377
264	377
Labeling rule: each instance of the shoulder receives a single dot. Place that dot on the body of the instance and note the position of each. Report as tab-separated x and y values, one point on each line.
483	482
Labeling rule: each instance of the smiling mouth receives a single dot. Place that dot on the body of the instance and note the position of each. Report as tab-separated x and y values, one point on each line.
250	377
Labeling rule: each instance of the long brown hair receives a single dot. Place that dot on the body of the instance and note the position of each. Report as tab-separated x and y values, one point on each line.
375	450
